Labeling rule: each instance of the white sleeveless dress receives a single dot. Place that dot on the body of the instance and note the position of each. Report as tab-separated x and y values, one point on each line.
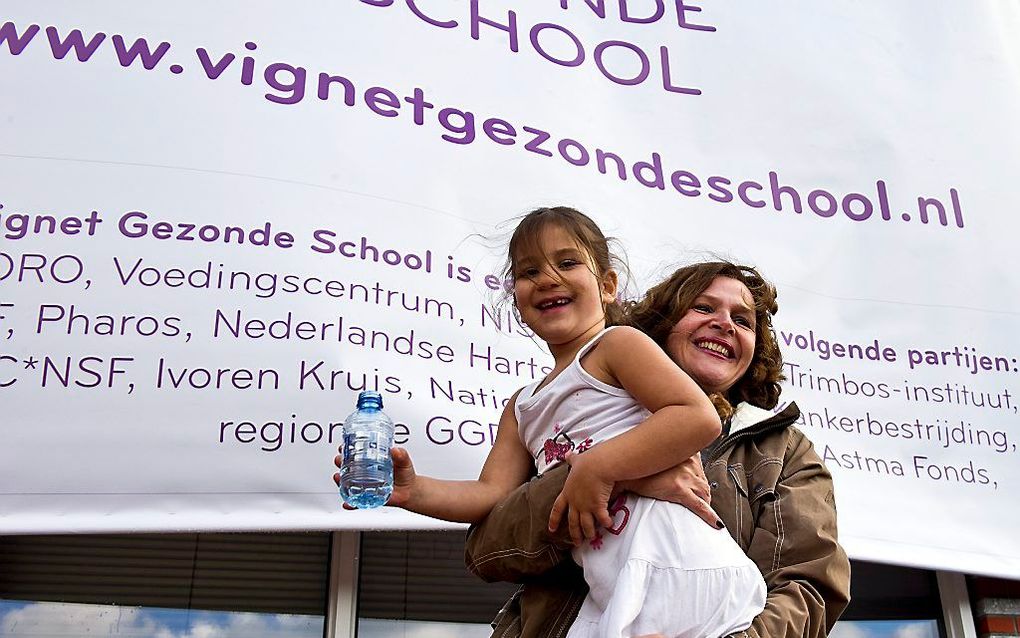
660	569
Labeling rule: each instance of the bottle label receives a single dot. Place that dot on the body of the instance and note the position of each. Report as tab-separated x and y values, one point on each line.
366	445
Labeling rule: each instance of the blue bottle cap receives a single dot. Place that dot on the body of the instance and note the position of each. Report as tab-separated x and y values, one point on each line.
369	399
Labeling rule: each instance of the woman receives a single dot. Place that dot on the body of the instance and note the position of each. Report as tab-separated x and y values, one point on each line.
763	477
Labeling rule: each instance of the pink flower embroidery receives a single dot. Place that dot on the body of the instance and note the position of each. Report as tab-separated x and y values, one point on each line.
556	451
596	543
585	445
619	505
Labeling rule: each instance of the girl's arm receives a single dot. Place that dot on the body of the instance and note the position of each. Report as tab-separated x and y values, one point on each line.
513	543
683	421
507	466
684	484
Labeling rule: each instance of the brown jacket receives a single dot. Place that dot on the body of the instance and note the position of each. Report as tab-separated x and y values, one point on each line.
768	486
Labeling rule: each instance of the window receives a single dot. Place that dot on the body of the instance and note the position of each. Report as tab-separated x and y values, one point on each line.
417	581
891	602
243	585
165	586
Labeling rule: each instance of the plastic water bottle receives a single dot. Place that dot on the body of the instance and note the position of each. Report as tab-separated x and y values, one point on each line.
366	474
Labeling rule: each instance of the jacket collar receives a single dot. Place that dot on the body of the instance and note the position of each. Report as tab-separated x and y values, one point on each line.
747	415
749	421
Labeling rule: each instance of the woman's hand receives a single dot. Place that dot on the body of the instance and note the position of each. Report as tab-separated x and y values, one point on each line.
403	477
684	484
584	499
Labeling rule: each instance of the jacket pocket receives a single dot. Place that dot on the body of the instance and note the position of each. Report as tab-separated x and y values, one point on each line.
755	490
766	533
763	479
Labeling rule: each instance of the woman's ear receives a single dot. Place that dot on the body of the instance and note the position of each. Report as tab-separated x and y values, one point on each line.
610	282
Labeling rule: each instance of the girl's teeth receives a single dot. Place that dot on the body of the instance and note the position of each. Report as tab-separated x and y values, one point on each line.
559	302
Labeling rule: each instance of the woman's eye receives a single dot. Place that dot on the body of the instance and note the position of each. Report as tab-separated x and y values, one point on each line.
702	308
743	321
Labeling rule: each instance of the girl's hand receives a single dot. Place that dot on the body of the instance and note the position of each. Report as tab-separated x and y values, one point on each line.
684	484
584	499
403	477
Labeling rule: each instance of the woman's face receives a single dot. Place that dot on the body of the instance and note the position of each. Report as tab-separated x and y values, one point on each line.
714	340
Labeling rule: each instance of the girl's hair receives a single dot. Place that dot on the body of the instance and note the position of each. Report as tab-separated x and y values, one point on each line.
664	305
586	232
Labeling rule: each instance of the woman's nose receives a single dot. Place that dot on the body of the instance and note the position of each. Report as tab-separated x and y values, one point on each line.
724	323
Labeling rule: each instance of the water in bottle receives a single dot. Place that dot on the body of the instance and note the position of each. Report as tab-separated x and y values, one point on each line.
366	474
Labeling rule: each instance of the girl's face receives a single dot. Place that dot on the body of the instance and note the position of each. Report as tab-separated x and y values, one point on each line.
556	290
714	340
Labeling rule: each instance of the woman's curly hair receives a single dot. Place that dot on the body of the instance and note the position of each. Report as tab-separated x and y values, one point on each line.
664	305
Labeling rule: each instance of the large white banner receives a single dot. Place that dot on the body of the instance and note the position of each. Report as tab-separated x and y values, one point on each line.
220	221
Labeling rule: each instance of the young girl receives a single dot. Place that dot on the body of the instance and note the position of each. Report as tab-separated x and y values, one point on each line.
614	407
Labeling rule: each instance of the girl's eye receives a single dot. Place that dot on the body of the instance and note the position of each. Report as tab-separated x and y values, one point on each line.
567	264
